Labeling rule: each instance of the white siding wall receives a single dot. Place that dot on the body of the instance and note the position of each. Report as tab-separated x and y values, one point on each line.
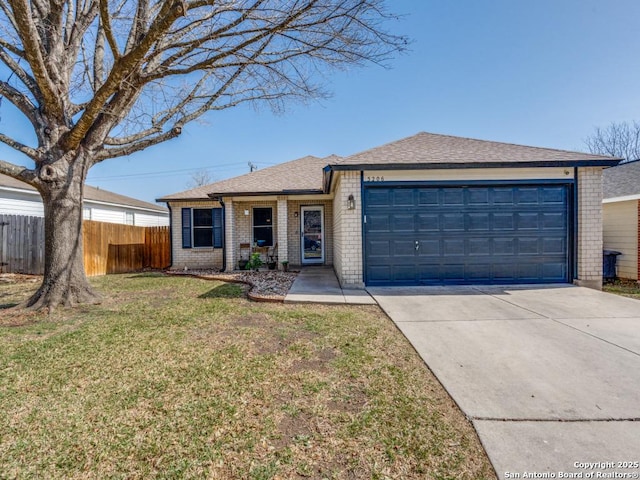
150	220
103	213
16	203
28	204
620	229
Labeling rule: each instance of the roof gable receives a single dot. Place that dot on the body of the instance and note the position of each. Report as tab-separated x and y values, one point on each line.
304	175
622	180
429	150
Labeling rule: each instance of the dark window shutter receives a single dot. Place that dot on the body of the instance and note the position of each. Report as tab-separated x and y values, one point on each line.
217	228
186	228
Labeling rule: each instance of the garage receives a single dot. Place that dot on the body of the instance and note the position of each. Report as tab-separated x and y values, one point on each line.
467	234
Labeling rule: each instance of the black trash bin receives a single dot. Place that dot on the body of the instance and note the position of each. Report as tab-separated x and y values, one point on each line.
609	258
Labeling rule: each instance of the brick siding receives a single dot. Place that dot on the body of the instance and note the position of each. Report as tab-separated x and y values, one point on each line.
590	227
347	228
200	257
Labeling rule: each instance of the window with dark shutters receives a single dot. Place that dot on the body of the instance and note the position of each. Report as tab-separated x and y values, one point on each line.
217	227
186	228
202	227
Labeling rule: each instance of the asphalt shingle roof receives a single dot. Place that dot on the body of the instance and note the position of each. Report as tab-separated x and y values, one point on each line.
429	148
91	193
622	180
301	175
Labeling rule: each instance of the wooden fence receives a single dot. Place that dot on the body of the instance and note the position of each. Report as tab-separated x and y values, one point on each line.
21	244
108	247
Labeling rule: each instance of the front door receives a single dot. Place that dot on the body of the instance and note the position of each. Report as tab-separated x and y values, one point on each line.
312	229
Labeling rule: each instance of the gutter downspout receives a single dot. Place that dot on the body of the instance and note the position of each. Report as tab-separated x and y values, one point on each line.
224	240
170	235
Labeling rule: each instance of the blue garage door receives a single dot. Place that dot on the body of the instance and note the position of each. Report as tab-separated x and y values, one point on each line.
466	235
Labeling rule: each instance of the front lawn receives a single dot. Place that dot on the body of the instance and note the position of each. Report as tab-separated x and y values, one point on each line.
176	377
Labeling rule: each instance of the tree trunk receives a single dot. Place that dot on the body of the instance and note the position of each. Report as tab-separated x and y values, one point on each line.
65	281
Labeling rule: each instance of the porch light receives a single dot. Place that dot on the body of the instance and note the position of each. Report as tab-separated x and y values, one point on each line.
351	203
246	213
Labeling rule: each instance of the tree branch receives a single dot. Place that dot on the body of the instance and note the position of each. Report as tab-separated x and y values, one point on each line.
34	54
137	146
20	101
19	173
28	151
105	22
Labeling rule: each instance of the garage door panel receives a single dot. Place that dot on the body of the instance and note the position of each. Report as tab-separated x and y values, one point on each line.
527	221
403	223
494	234
504	246
478	196
479	246
402	197
378	223
453	247
428	198
554	220
478	221
451	222
429	248
379	248
553	246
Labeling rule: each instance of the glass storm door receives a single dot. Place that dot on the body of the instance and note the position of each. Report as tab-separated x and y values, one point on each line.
312	229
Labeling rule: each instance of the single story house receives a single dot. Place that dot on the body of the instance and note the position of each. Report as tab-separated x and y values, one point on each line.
19	198
425	210
621	216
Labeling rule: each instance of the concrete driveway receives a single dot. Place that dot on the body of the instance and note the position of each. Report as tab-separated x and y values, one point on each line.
549	375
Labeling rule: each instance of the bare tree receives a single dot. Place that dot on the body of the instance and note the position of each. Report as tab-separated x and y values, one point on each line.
100	79
620	140
200	178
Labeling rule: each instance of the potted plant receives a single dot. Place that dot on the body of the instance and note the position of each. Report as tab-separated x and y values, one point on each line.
255	262
242	263
285	265
272	263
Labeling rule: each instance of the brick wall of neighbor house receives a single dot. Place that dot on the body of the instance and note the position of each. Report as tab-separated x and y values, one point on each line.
347	231
294	227
202	257
590	227
620	233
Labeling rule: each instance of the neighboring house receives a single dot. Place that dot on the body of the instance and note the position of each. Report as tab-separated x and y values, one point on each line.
19	198
621	212
425	210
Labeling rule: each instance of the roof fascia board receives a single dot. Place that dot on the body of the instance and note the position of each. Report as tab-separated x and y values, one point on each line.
124	205
624	198
266	194
20	190
453	166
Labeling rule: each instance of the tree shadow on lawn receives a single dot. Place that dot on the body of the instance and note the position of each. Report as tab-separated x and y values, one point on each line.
225	290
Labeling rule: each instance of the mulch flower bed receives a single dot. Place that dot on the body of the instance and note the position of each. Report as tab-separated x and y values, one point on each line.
266	285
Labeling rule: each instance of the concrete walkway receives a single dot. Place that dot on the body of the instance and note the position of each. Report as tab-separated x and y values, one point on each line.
320	285
549	375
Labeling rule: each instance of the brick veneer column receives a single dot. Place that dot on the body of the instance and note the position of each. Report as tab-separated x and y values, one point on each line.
283	242
229	237
590	227
348	231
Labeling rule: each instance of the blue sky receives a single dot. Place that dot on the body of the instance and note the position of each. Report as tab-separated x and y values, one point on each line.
542	73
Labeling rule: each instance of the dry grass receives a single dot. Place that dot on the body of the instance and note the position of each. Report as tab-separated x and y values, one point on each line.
183	378
626	288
